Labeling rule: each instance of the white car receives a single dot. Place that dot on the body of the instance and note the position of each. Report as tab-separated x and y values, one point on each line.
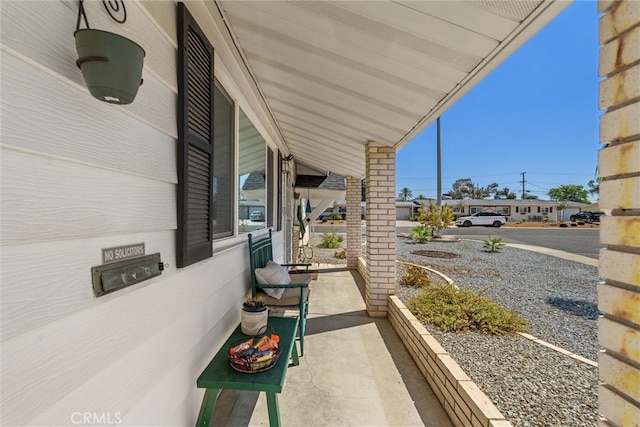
256	216
488	219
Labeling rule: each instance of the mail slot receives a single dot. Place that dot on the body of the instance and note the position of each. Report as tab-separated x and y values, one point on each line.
111	277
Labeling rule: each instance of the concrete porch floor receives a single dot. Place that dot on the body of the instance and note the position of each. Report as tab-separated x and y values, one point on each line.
355	371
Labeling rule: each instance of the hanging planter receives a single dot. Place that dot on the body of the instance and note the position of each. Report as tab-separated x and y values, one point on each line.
111	64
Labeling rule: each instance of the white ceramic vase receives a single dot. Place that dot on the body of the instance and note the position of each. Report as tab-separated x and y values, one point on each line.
254	321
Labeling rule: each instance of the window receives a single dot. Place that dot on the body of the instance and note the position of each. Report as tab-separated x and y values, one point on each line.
474	210
546	210
195	142
223	161
503	210
252	177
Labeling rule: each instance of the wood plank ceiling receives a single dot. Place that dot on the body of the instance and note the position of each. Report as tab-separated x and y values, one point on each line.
336	75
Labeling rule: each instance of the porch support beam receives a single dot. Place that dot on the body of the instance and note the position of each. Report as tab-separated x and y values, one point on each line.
381	227
354	240
619	166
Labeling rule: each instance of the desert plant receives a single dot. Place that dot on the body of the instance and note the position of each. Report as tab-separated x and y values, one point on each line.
455	310
331	240
436	217
254	303
494	244
415	276
421	233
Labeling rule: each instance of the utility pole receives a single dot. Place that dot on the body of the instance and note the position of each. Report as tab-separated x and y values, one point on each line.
523	193
439	168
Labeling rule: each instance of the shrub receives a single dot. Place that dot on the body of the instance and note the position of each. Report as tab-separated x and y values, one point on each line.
331	240
435	217
341	254
454	310
421	233
494	244
415	276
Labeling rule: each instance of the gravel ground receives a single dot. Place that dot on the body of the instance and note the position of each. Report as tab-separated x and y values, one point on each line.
529	383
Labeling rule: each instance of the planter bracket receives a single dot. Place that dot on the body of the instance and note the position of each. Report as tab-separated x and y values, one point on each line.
113	8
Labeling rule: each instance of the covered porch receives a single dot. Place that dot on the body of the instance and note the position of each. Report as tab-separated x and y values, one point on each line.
336	86
356	370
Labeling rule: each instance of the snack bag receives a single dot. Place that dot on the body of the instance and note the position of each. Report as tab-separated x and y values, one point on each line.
242	347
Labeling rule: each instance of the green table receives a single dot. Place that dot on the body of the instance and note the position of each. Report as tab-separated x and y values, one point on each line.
219	375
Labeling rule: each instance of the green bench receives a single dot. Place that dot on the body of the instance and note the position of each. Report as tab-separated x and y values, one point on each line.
296	294
219	375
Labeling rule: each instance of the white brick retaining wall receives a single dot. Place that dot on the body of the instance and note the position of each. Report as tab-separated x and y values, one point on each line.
460	397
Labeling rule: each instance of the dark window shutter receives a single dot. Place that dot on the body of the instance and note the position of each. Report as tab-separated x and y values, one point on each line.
529	209
538	209
550	209
195	141
269	187
279	205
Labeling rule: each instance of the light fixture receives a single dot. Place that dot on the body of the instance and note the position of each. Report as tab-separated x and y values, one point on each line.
285	163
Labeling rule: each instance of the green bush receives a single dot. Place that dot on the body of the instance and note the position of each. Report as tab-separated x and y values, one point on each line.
437	218
421	233
454	310
494	244
331	240
415	276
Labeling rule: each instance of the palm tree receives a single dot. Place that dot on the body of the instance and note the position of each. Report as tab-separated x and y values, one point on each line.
505	193
405	194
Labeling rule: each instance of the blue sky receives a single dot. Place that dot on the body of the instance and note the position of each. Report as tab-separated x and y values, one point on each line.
536	113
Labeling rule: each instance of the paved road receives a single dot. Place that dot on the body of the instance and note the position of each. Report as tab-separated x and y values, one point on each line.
579	241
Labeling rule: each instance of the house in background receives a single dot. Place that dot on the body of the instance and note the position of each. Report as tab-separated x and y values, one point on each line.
516	209
335	86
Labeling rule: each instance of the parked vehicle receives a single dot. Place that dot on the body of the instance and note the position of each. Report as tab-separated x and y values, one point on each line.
256	216
586	216
330	216
488	219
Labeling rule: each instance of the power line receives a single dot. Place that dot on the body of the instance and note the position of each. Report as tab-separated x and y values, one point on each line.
542	188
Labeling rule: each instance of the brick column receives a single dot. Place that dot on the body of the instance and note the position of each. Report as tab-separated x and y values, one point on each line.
619	165
354	239
381	228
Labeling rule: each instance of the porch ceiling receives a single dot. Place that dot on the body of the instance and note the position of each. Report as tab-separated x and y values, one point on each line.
336	75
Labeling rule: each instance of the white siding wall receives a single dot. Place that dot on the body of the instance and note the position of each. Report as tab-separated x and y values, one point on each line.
79	175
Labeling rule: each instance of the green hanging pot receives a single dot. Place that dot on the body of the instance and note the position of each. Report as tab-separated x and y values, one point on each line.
111	65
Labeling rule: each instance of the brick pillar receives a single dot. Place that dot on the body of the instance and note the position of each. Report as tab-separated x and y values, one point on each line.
381	228
354	239
619	165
